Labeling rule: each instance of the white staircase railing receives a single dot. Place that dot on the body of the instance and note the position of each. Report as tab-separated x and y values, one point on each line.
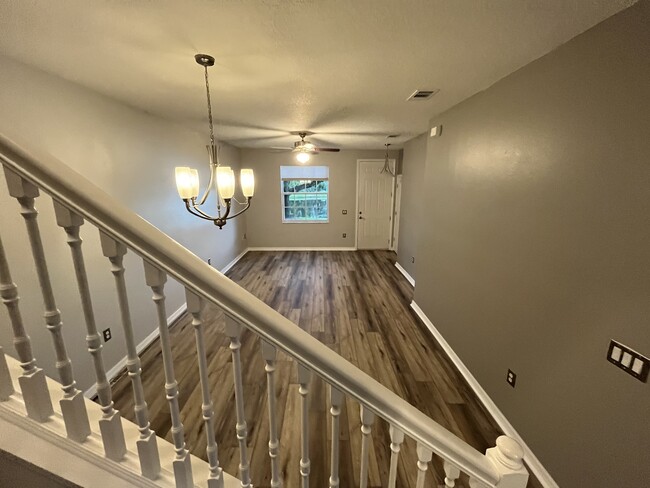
77	199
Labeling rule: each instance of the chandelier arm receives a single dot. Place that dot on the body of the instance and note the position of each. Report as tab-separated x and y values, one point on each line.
198	212
248	204
208	188
201	213
240	203
215	165
225	215
206	215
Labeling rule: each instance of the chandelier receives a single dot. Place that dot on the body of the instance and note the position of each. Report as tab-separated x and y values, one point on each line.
222	178
387	168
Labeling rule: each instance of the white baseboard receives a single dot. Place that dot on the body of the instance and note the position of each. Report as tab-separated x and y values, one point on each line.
408	277
227	267
531	460
121	364
302	248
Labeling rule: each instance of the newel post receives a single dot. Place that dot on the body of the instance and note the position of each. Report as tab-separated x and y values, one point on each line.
508	459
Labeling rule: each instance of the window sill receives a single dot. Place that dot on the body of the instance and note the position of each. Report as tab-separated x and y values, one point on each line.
305	221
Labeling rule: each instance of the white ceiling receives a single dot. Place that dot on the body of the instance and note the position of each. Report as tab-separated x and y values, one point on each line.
340	68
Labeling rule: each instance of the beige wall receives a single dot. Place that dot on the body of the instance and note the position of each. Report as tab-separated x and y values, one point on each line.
413	159
265	227
535	248
131	155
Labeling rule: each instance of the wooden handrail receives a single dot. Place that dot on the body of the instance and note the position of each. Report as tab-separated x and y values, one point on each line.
113	218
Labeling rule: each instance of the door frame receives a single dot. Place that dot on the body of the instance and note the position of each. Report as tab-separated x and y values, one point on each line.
397	210
393	164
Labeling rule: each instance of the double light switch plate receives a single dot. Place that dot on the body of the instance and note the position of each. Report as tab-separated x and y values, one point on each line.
629	360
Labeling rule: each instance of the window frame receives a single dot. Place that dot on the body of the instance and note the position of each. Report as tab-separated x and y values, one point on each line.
304	221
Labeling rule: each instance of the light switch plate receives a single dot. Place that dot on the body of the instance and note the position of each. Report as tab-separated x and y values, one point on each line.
630	361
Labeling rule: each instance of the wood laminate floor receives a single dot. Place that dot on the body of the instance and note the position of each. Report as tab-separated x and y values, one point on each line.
356	303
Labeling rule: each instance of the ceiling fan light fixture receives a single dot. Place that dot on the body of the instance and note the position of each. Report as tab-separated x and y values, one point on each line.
302	157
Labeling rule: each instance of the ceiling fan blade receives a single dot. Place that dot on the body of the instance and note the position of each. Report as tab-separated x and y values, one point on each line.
281	148
327	149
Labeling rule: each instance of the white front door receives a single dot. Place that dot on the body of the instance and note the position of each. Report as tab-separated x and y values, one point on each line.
375	202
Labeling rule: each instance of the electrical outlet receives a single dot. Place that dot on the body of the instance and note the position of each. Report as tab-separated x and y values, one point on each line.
344	235
107	334
511	378
344	212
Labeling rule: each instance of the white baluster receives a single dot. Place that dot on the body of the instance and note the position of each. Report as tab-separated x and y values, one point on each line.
6	385
195	307
72	404
367	419
336	399
233	331
146	444
451	473
182	463
110	424
396	439
424	456
304	375
269	354
32	379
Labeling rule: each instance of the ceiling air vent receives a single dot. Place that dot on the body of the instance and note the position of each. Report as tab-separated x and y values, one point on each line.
422	95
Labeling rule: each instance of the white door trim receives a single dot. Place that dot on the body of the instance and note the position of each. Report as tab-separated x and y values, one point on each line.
393	164
397	209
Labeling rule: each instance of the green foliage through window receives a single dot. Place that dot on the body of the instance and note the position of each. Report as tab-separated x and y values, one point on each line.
305	200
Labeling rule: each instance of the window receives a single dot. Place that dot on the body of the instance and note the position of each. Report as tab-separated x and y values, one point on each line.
305	191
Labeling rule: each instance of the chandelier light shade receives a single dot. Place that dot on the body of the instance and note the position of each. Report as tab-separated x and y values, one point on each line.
222	178
187	182
226	182
247	181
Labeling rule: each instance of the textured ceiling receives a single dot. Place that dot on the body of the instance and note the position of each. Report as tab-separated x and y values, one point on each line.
340	68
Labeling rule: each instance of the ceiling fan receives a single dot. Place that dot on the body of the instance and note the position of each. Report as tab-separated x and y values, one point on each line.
304	149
